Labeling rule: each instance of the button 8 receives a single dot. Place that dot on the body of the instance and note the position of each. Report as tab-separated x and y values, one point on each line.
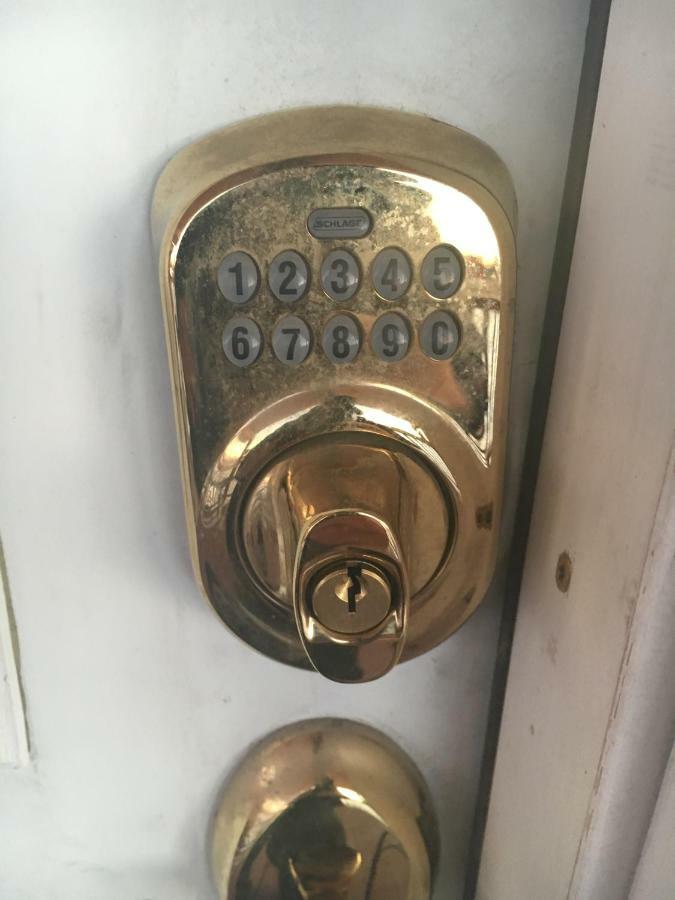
341	339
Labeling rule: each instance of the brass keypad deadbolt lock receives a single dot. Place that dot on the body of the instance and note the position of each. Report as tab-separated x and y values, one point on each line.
338	288
325	809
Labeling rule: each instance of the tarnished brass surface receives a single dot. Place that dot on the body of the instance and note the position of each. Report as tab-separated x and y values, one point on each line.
325	809
430	436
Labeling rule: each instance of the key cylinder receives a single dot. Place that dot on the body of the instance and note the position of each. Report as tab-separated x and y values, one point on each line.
352	598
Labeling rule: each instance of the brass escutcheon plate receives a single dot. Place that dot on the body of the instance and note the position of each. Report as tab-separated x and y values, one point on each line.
417	439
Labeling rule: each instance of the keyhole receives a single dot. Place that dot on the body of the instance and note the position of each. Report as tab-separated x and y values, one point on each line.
354	587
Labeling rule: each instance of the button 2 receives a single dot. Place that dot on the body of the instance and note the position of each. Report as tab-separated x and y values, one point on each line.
439	335
442	272
390	337
340	275
238	277
341	339
242	341
291	340
288	276
391	273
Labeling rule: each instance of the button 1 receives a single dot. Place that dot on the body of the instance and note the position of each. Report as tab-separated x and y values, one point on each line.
391	273
242	341
291	340
390	337
288	276
439	335
238	277
442	272
341	339
340	275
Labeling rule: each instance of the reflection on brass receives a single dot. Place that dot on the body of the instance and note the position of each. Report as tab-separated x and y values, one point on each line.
269	450
325	810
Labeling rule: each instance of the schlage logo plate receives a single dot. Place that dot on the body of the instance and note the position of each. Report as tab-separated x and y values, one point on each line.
341	222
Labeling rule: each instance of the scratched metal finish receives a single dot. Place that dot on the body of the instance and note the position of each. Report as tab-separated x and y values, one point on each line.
268	214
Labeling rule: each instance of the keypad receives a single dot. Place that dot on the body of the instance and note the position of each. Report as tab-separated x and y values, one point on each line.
341	277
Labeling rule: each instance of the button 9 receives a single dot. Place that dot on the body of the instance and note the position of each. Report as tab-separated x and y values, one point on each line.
390	337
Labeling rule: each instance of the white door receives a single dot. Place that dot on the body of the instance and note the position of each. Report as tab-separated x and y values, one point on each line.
137	699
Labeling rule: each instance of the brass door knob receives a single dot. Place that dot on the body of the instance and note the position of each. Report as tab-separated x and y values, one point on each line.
338	287
325	809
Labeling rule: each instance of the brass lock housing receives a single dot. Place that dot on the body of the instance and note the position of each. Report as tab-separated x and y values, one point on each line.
387	459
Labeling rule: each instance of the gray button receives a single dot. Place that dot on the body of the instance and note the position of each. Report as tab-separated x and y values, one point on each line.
238	277
341	222
340	275
442	272
391	273
242	341
390	337
439	335
341	339
288	276
291	340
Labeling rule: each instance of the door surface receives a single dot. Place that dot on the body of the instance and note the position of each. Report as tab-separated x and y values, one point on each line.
138	700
